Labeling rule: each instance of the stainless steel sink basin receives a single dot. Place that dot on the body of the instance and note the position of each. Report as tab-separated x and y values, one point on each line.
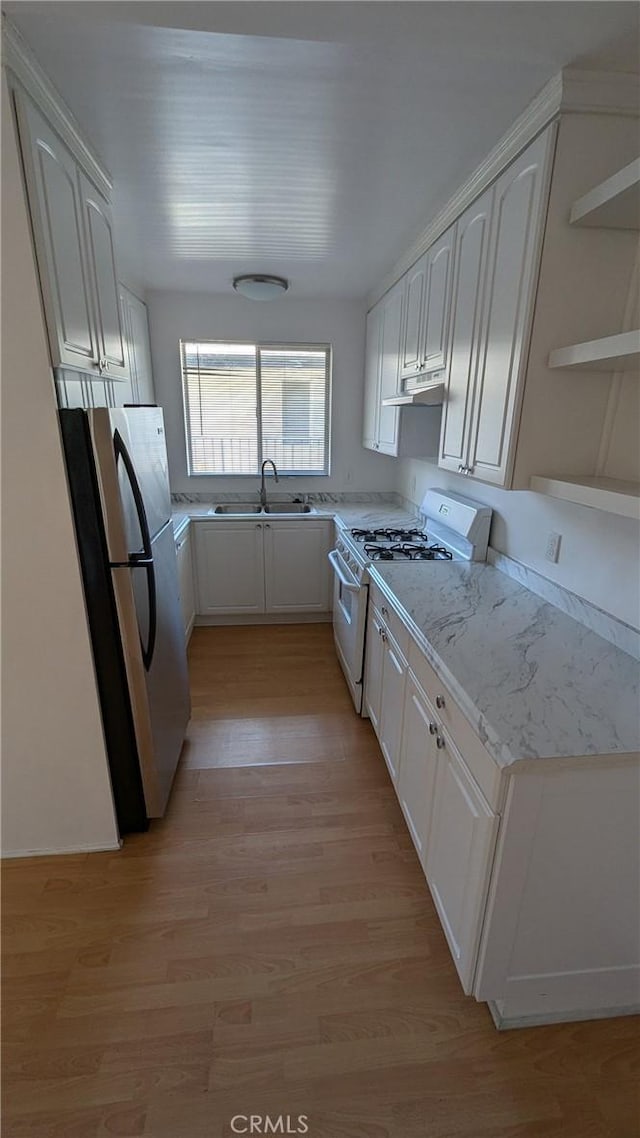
287	508
237	508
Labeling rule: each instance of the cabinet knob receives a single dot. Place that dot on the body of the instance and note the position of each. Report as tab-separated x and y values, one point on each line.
384	636
440	701
384	611
460	468
259	525
439	742
433	728
267	525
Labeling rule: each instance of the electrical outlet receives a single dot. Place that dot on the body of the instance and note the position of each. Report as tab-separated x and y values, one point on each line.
552	549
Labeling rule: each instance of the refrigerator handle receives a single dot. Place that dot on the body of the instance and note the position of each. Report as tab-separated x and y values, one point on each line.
144	559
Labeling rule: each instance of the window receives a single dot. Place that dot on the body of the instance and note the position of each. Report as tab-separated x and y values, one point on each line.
247	402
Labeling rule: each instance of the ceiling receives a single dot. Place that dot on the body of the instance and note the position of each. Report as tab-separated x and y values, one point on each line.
311	140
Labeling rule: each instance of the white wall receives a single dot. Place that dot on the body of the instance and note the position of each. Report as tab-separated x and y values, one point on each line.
56	794
598	554
175	316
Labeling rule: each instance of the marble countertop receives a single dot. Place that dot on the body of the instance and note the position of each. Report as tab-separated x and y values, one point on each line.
348	514
532	681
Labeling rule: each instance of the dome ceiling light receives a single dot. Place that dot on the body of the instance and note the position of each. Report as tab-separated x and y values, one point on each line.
258	286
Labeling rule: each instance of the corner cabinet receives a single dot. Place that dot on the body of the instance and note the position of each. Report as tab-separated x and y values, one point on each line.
397	431
75	250
249	568
136	331
498	248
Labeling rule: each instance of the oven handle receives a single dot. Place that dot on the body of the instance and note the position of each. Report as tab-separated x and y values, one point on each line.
336	564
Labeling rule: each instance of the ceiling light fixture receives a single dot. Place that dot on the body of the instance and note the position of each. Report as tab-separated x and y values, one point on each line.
258	286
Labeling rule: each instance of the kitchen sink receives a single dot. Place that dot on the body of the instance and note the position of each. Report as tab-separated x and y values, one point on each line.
288	508
238	508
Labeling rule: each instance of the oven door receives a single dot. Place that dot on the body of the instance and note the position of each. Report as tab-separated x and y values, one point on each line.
349	621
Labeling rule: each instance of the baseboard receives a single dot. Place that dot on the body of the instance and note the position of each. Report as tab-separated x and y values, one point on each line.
8	855
507	1023
264	618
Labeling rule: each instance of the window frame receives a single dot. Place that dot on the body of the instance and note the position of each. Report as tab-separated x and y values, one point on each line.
260	345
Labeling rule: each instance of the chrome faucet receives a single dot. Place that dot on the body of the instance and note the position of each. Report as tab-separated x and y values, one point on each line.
263	492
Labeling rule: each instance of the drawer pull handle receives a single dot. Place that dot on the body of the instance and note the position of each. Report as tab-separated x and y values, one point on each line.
440	701
384	611
439	742
384	636
433	729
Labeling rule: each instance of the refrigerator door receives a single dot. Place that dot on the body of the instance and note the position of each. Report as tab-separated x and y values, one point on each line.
166	676
132	457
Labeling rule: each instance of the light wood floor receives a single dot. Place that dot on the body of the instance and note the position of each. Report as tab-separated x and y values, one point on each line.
271	947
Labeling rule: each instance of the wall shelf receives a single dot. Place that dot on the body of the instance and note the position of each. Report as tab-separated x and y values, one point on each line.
614	204
613	495
611	353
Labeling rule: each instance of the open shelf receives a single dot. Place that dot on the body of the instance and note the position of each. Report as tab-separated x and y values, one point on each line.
611	353
610	494
614	204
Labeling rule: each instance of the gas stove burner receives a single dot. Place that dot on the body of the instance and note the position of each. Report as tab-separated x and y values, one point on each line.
410	535
364	534
439	553
379	552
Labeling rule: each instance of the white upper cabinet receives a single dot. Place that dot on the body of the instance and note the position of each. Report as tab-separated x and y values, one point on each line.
56	213
471	257
519	207
427	308
136	331
411	353
75	250
102	259
498	247
380	428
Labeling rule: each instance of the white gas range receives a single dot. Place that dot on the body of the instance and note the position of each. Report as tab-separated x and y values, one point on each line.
455	529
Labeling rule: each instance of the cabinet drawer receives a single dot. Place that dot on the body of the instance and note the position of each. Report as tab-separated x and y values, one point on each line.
391	620
482	766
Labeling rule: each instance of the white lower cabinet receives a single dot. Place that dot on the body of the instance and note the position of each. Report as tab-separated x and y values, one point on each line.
459	853
184	557
418	764
394	670
374	659
256	567
229	567
295	564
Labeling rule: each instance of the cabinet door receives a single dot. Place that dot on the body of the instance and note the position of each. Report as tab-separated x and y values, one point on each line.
374	656
438	303
466	310
459	855
372	378
411	354
297	576
229	567
102	259
515	245
184	556
56	211
136	330
394	670
418	764
387	437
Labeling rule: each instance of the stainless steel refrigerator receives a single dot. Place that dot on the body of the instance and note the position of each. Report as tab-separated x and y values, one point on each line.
118	478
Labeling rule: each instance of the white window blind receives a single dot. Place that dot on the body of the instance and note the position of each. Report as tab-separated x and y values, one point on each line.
247	402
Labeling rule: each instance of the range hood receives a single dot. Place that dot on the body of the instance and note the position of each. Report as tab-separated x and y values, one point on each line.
428	395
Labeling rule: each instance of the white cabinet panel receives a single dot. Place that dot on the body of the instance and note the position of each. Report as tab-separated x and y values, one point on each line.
514	254
394	670
387	434
418	764
56	212
184	557
415	287
471	256
438	303
372	379
230	567
136	330
459	855
374	660
101	250
297	575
